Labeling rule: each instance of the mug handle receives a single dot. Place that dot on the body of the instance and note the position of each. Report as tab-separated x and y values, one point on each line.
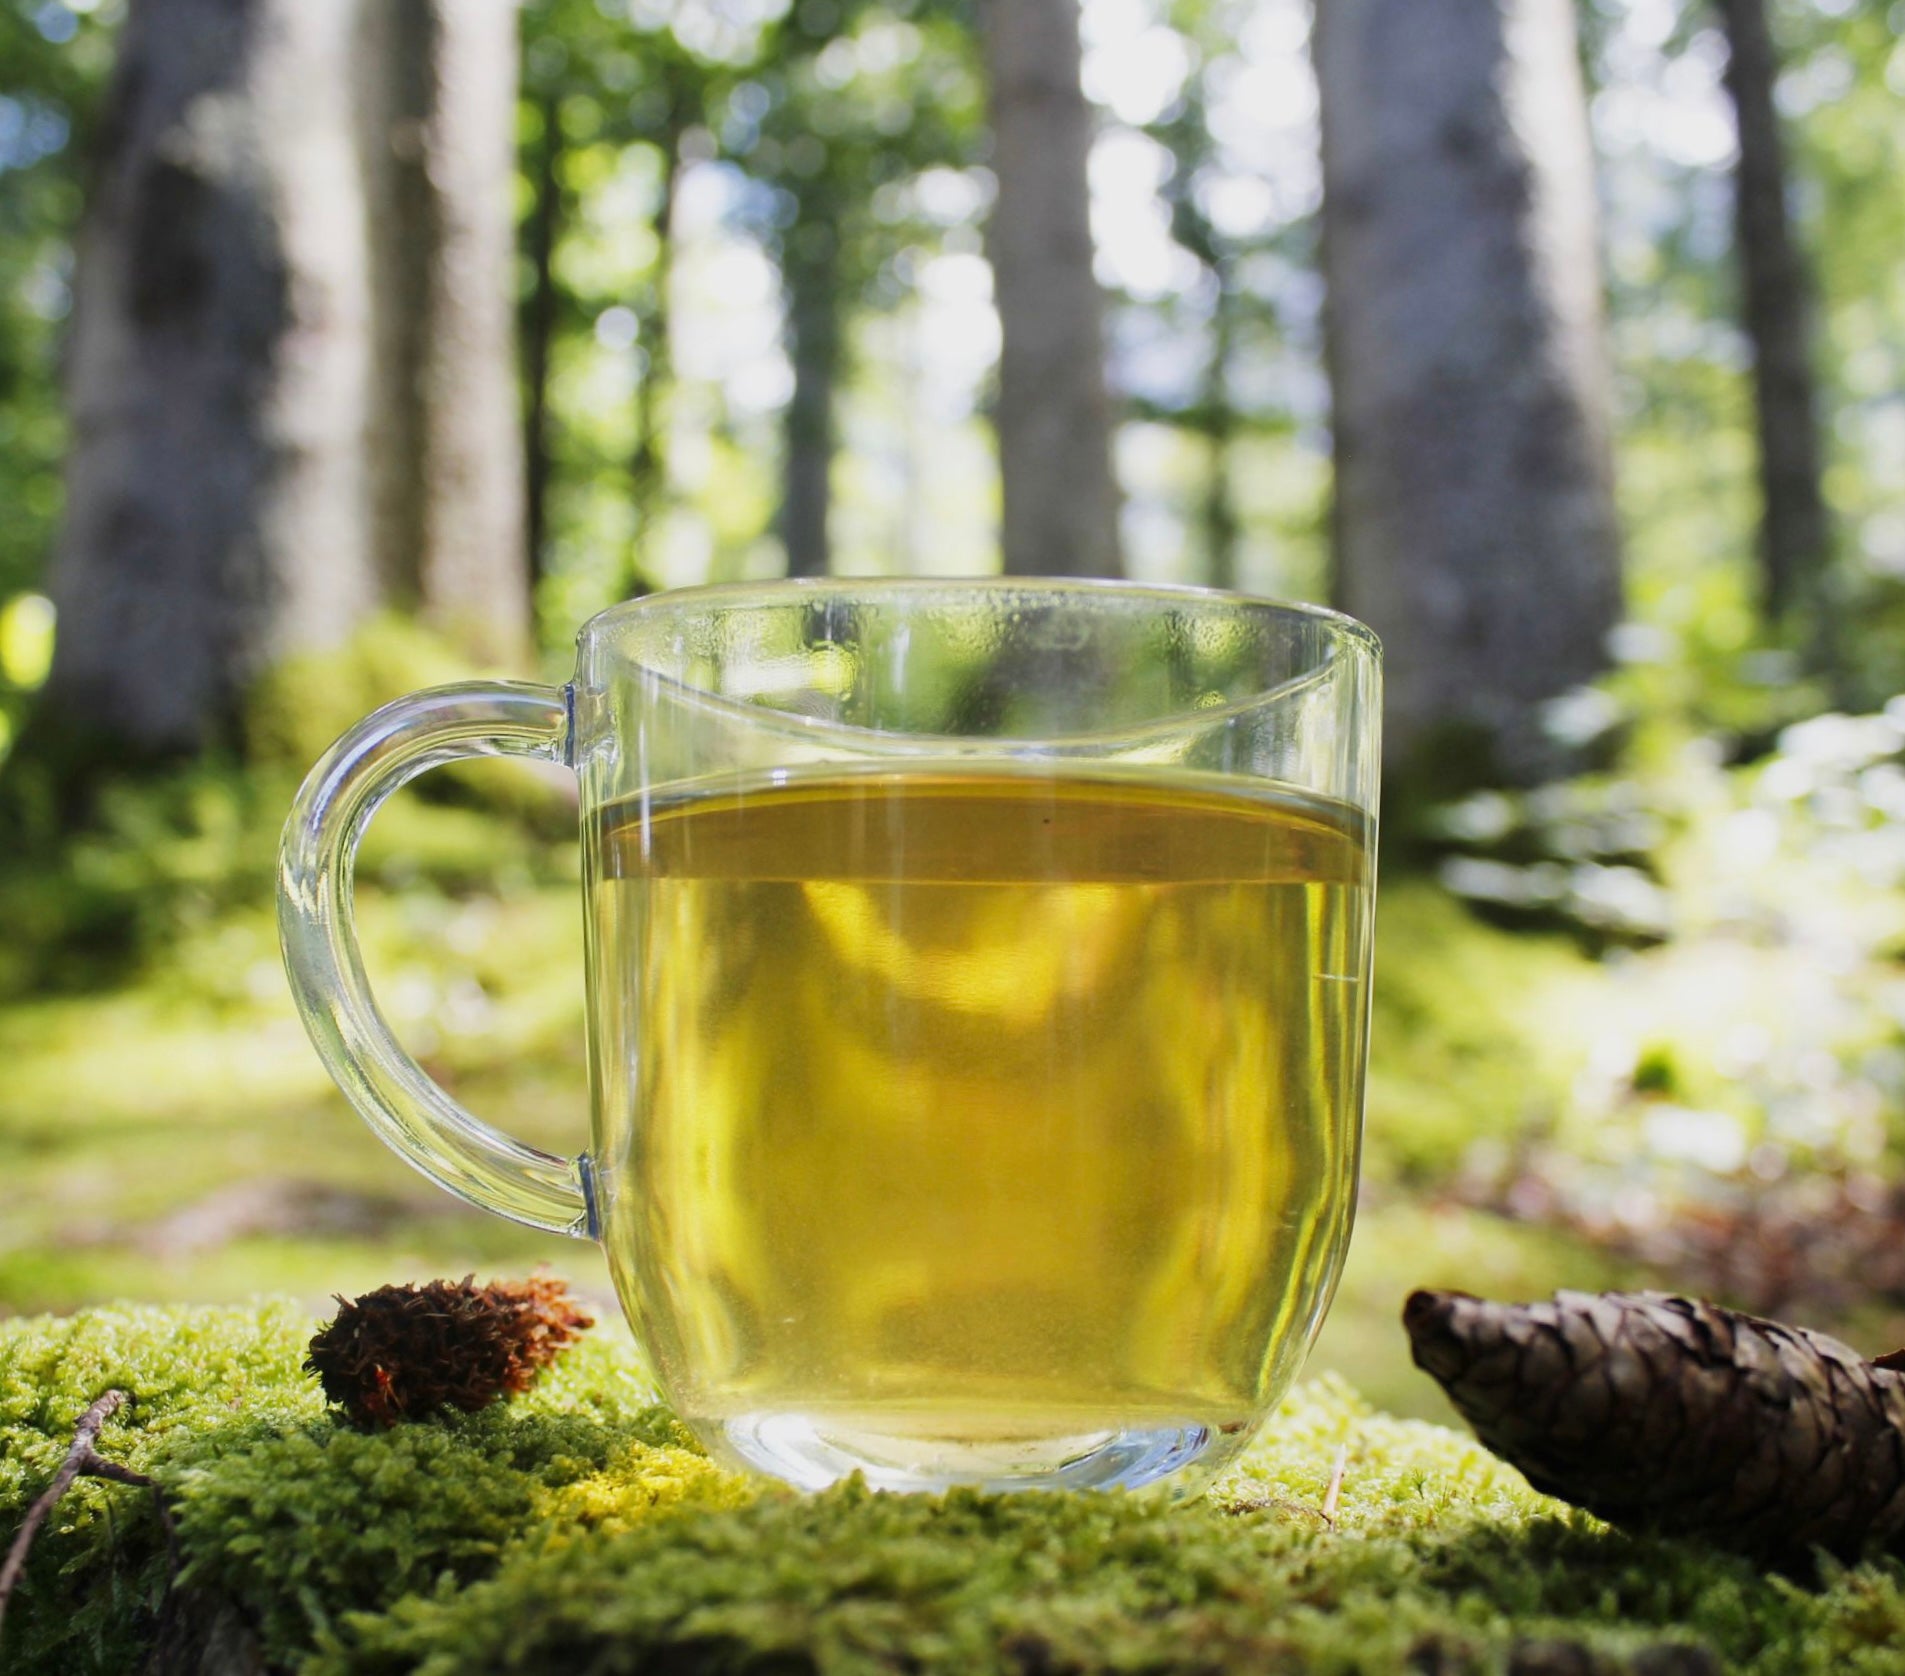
390	1090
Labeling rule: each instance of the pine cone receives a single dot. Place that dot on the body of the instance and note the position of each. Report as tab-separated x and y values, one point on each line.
1675	1415
402	1352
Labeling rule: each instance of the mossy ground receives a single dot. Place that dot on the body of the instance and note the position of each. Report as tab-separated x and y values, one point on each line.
578	1529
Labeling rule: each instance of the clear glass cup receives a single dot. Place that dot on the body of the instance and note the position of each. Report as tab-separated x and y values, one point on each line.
978	984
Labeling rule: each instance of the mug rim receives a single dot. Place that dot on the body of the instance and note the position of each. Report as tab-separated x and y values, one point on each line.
1190	593
1348	632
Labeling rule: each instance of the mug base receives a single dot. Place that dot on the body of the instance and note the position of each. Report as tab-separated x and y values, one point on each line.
812	1451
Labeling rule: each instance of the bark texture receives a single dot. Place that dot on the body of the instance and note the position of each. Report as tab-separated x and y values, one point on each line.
1795	534
439	85
291	373
1054	416
1673	1414
1475	523
218	374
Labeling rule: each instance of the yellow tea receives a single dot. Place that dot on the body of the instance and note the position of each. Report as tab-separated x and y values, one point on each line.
978	1123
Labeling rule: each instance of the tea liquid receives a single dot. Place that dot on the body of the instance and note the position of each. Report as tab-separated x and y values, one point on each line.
973	1117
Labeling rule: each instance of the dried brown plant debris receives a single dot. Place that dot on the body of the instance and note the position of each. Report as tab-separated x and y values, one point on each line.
1675	1415
403	1352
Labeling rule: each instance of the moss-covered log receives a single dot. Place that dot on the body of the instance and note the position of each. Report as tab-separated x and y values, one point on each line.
578	1529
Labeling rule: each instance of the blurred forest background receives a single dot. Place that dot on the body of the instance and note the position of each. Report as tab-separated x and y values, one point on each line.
348	347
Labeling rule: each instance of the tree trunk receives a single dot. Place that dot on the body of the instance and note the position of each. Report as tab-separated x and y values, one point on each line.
1794	533
440	110
811	276
1054	417
648	463
539	331
215	495
1220	425
1475	525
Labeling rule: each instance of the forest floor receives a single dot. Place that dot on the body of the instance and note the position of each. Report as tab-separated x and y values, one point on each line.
1559	1095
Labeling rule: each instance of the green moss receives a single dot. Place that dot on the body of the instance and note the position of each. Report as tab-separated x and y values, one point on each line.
302	1523
293	1515
578	1529
1435	1546
194	1376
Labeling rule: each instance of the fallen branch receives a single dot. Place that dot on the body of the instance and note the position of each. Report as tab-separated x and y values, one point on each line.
82	1461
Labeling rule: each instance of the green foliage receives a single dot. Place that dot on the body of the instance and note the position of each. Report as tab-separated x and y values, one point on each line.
162	854
1841	91
1656	1072
1764	903
157	856
170	1134
809	128
1460	1025
606	106
53	65
578	1529
1257	499
1685	448
297	709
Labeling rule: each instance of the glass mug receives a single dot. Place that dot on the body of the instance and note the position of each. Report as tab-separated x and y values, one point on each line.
978	982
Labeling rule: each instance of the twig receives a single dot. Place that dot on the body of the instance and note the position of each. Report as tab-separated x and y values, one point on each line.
1270	1504
82	1461
1335	1492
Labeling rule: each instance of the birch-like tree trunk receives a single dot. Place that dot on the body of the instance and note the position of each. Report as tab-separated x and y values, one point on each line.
1794	532
1475	523
217	376
446	445
1054	416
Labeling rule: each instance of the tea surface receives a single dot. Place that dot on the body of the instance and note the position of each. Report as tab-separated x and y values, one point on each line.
977	1114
